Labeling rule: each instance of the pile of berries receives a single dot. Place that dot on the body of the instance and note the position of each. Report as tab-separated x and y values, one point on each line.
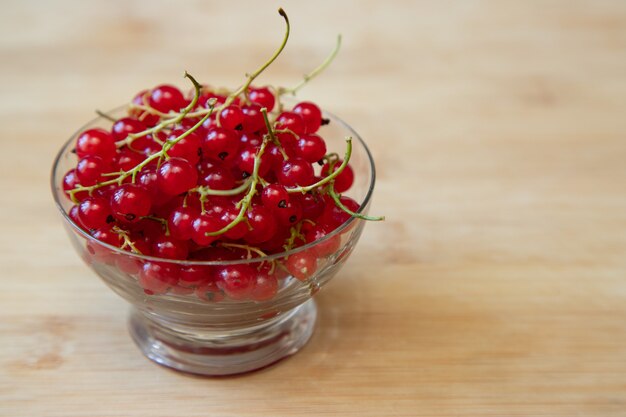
214	175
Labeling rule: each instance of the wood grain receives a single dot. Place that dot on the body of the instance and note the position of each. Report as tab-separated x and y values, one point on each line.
497	285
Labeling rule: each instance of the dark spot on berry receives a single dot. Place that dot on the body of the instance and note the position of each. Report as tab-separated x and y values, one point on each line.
239	127
292	219
325	122
282	204
110	218
200	152
321	162
222	155
130	217
245	175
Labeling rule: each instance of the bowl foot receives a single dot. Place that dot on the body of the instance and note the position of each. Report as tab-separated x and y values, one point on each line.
225	353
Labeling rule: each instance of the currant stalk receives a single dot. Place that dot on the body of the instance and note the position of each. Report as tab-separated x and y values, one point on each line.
251	77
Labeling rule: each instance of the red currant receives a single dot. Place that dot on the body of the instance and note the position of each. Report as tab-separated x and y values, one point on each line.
292	121
237	281
296	171
130	202
344	180
311	115
311	148
232	118
166	98
180	222
302	265
175	176
220	144
96	142
125	126
94	212
263	97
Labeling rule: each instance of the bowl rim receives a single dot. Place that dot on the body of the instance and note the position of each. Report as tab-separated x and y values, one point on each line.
58	194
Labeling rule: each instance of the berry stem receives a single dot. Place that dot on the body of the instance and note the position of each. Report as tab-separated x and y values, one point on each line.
331	176
105	116
272	134
247	199
337	199
244	88
308	77
248	248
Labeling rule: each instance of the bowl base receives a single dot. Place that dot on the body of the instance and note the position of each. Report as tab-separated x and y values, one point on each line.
226	354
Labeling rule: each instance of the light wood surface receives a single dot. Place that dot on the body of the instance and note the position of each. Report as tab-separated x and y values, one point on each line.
497	286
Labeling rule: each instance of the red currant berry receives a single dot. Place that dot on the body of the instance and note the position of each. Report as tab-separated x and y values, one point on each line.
328	246
237	281
192	276
275	196
94	212
301	265
245	161
296	171
263	97
333	216
127	159
158	277
232	118
220	144
70	181
147	178
96	142
262	225
253	120
141	99
311	115
343	181
166	98
290	214
203	224
169	248
176	175
73	215
180	222
130	202
187	148
311	148
265	287
239	230
292	121
217	178
125	126
312	205
89	170
209	291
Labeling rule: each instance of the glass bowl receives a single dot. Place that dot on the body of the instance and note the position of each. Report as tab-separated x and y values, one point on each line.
198	329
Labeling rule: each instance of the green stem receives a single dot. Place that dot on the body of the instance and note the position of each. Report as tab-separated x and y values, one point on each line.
246	247
247	200
206	191
331	176
105	116
272	134
256	73
337	199
308	77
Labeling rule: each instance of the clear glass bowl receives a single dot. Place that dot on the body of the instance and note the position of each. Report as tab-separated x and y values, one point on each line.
210	334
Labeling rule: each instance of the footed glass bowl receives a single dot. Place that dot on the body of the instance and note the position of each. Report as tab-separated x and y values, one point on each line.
196	328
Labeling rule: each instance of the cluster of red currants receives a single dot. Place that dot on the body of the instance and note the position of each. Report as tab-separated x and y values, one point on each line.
212	177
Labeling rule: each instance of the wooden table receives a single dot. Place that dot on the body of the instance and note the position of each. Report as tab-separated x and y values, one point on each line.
497	286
